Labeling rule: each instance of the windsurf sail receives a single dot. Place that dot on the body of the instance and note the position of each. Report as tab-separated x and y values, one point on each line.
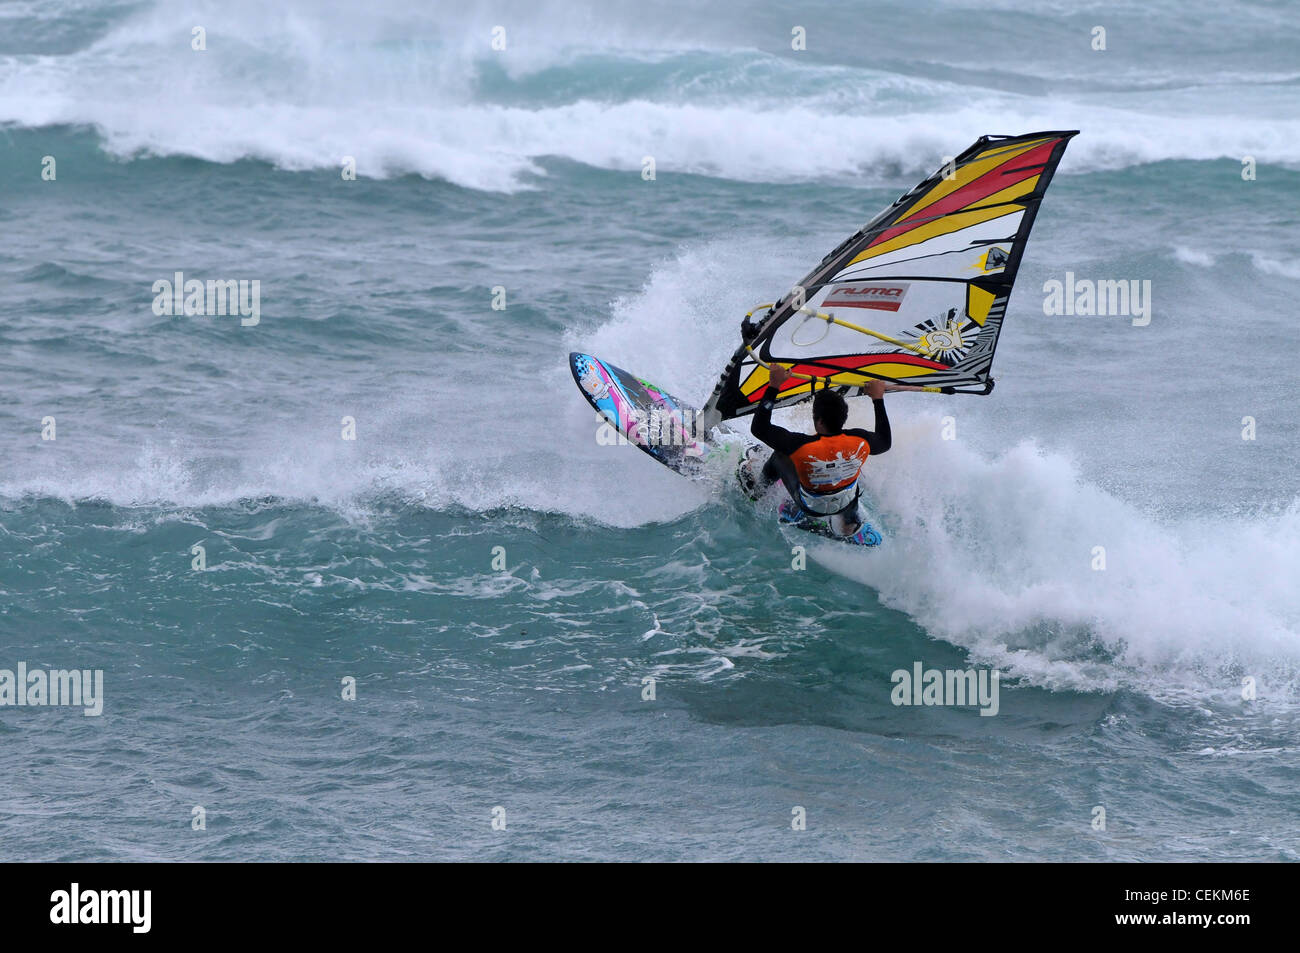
916	297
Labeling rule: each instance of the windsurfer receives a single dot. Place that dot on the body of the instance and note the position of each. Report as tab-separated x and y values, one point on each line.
820	470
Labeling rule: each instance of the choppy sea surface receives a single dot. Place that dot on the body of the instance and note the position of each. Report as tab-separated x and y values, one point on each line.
523	688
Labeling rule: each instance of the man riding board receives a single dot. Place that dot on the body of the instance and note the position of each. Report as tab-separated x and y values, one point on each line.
820	470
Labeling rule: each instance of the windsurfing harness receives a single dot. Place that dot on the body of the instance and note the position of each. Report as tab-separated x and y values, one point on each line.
826	466
915	298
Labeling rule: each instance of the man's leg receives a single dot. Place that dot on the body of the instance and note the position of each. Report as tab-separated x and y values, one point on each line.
780	466
848	520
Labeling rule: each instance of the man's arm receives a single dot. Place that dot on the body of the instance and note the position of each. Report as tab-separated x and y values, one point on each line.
883	438
778	438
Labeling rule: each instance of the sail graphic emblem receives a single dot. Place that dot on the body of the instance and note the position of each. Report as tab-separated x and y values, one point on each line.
944	341
996	258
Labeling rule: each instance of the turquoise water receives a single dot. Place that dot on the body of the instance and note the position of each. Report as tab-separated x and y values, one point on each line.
523	688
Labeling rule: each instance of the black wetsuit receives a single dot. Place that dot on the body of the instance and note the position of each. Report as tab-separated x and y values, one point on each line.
786	443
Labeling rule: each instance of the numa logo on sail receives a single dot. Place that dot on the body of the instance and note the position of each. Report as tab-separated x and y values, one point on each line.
876	297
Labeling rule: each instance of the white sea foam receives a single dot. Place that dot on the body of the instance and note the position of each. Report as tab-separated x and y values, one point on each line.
1193	256
998	554
1275	266
303	85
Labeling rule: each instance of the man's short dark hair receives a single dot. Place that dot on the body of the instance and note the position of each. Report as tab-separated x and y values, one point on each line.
831	409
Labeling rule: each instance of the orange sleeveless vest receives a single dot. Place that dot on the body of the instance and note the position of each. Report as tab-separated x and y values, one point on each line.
828	464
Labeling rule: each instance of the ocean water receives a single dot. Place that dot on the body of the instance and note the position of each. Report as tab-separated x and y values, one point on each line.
521	688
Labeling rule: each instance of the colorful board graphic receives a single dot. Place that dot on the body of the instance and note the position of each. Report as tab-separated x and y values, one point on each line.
641	413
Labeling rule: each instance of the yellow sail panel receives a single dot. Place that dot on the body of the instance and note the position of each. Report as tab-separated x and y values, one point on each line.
884	369
749	391
957	220
967	174
940	226
756	380
978	302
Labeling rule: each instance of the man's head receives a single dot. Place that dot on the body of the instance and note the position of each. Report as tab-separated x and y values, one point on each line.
830	410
